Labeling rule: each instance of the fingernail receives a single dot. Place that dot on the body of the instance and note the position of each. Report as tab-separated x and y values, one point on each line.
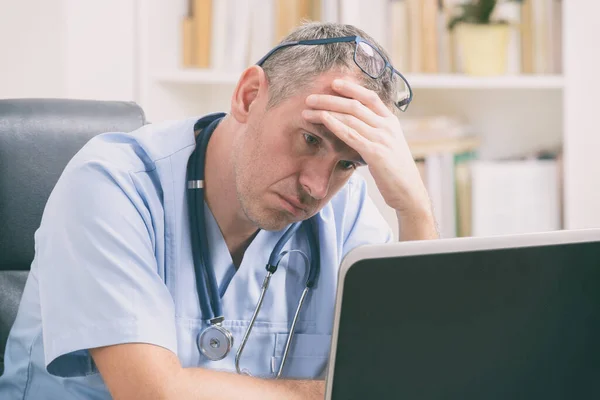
338	83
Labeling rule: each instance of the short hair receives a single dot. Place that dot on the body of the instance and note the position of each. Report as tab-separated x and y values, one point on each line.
294	67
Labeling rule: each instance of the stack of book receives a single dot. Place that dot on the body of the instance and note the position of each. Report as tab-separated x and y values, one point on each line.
229	35
471	196
443	148
232	34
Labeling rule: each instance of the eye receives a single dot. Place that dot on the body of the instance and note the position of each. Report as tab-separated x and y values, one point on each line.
347	165
311	140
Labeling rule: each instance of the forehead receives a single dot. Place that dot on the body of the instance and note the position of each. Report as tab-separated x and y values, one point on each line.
322	83
291	110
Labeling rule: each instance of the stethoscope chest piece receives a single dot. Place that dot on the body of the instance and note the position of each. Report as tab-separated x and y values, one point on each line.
215	342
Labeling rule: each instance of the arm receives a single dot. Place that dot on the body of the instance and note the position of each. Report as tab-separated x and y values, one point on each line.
100	290
420	225
149	372
359	118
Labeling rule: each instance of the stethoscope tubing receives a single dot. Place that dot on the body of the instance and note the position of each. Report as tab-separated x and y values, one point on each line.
207	289
204	276
192	193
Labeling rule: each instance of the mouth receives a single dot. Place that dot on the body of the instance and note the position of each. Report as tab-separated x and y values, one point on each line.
292	205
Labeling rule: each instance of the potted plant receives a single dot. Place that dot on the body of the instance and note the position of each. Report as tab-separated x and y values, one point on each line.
481	38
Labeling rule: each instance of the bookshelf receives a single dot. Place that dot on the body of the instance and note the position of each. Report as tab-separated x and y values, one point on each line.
513	114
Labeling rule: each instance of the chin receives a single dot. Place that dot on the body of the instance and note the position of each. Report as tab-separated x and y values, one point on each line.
274	223
270	219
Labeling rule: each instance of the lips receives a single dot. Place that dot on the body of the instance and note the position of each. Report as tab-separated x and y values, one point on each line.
293	205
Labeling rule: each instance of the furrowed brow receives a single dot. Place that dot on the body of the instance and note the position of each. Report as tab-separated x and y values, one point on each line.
338	145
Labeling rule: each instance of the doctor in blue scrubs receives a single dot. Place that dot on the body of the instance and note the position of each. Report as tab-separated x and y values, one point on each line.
119	295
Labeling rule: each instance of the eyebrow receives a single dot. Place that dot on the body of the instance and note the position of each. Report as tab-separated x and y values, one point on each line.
338	144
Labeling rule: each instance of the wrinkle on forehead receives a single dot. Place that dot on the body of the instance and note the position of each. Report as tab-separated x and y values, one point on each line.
322	83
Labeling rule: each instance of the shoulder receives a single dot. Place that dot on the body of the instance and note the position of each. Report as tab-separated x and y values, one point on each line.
139	150
124	169
130	161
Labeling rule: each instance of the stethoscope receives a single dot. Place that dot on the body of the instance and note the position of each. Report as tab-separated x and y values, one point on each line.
215	342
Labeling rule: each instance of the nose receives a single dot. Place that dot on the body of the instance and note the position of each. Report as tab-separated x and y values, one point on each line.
315	178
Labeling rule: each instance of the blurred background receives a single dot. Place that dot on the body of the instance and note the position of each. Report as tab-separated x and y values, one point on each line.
503	122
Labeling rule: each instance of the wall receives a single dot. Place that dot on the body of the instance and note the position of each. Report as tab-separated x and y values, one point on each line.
87	49
582	85
32	39
68	48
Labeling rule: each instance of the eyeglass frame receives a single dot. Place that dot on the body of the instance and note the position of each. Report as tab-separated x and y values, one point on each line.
348	39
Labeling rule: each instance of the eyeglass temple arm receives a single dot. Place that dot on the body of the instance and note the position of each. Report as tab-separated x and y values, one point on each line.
334	40
274	49
329	40
306	42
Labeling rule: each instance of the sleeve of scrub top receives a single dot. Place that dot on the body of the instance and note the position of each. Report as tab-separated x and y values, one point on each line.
98	277
363	222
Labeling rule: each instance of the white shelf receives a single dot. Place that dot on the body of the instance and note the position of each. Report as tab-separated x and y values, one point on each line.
197	77
423	81
417	81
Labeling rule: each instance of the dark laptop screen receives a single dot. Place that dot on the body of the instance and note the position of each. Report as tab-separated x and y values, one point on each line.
518	323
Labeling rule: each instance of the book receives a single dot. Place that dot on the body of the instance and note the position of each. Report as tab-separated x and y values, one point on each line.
515	196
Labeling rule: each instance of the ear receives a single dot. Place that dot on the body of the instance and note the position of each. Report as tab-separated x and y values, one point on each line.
249	91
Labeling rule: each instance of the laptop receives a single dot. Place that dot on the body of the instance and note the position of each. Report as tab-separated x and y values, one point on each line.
504	317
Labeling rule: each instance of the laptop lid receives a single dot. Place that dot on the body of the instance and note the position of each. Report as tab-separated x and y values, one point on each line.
506	317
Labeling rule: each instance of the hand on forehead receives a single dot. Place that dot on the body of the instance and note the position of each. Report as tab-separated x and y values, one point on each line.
358	117
324	83
340	104
332	92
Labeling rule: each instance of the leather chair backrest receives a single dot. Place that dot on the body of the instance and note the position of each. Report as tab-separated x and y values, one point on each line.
38	137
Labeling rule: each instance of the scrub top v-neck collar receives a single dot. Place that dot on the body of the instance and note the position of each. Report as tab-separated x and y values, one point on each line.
241	286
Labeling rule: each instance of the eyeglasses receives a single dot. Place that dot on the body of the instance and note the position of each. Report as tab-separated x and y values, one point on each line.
367	58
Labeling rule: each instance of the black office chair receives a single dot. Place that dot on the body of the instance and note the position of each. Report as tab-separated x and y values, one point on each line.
38	137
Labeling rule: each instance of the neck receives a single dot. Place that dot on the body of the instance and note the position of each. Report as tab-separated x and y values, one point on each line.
220	192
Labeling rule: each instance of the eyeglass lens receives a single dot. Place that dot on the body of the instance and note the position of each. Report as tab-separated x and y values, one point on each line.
402	92
373	64
369	60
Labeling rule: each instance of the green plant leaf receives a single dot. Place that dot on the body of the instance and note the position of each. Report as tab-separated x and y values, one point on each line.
475	12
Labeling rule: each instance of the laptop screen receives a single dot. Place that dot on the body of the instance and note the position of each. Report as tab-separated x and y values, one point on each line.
516	323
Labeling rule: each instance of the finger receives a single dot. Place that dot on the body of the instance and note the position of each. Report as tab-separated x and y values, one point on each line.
343	105
318	117
345	133
366	96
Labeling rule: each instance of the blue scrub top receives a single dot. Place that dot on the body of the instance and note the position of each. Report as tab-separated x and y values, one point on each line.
113	264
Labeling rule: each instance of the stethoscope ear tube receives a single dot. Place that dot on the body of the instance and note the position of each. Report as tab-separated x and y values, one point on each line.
277	254
209	273
315	253
313	265
192	192
210	304
215	342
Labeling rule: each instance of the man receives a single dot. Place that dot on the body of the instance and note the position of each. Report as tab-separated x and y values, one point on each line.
114	306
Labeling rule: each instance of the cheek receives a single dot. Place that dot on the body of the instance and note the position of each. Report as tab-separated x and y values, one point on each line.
337	182
269	156
278	155
261	165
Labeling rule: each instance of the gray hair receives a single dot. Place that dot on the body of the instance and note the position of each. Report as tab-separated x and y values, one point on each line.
294	67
